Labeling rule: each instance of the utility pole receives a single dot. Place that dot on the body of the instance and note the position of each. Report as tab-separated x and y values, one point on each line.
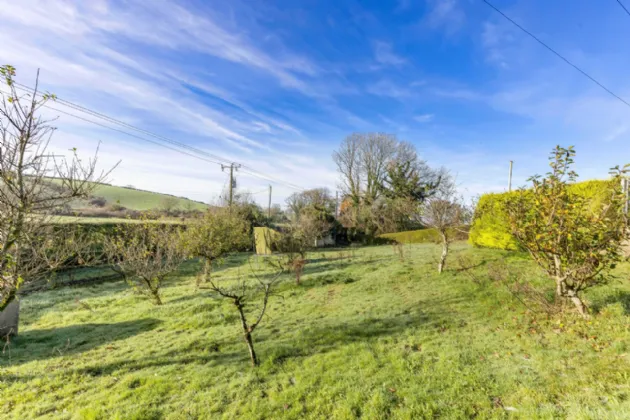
625	185
269	206
510	177
232	167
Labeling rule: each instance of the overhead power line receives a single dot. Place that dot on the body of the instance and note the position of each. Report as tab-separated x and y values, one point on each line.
591	78
124	124
192	151
127	133
624	7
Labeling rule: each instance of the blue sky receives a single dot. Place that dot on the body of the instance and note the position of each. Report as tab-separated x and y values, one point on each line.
277	85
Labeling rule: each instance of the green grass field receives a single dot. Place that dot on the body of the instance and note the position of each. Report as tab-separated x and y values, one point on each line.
138	200
107	220
142	200
363	337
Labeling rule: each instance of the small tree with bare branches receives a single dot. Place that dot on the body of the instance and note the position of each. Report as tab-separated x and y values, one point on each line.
145	253
445	212
33	184
242	293
296	239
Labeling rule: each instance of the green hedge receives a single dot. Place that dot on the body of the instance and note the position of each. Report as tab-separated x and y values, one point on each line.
490	226
421	236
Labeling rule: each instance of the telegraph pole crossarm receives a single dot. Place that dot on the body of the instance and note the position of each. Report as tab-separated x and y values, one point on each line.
232	166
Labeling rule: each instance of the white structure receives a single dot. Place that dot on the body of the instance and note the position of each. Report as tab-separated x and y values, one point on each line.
327	240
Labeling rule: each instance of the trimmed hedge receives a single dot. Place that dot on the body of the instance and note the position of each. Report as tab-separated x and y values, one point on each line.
490	227
420	236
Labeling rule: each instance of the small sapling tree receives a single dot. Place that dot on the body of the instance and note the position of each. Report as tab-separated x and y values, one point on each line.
574	240
298	238
145	253
445	212
242	293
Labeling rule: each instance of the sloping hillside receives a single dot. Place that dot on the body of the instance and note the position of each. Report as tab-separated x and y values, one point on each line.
143	200
134	199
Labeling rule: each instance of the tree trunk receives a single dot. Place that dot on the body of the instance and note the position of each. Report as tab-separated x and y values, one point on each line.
247	333
579	305
559	288
442	263
560	281
250	346
565	292
157	298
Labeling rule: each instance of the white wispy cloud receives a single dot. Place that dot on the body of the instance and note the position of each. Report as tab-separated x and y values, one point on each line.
424	118
115	59
445	14
384	54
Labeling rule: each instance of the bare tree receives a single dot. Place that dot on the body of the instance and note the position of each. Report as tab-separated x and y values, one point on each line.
319	199
241	293
446	213
145	253
28	172
296	202
377	151
383	181
348	163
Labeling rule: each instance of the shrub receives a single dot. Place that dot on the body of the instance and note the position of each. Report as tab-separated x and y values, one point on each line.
117	207
98	202
490	227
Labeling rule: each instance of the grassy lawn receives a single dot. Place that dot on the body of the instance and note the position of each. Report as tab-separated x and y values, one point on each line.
368	336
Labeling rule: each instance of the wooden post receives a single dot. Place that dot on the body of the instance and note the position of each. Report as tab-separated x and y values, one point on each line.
269	205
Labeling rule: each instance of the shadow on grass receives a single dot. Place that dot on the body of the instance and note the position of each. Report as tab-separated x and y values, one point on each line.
159	361
125	365
324	337
324	267
43	344
199	295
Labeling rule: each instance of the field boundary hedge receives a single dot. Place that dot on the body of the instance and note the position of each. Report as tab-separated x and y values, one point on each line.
490	227
422	236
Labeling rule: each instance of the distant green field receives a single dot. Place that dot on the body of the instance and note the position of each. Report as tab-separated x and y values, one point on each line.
137	199
106	220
